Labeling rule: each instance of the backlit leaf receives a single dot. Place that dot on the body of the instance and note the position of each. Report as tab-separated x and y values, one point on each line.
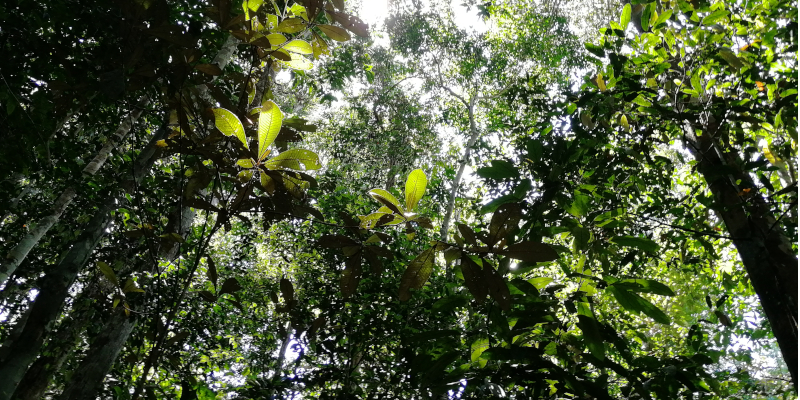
625	19
591	330
108	272
228	123
640	243
351	275
530	252
291	25
334	32
504	220
299	46
415	188
293	159
387	199
474	278
269	125
633	302
417	273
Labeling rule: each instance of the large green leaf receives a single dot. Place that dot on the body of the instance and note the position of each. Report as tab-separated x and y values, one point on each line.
415	188
625	19
645	286
387	199
417	273
334	32
293	158
269	125
530	252
228	123
633	302
591	330
500	169
640	243
298	46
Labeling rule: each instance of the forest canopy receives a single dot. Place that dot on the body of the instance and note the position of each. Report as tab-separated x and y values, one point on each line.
320	199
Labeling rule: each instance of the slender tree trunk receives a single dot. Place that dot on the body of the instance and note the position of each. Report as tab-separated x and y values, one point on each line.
98	361
55	286
21	250
765	251
461	166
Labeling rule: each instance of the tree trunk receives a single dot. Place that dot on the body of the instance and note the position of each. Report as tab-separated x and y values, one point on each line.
21	250
98	361
55	286
765	251
464	160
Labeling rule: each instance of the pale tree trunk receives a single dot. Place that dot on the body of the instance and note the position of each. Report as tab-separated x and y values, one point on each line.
765	251
17	255
55	286
473	137
87	379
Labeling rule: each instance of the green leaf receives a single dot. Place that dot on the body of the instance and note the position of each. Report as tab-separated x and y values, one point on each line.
231	285
417	273
269	125
579	206
530	252
596	50
108	272
299	46
582	237
646	15
664	17
645	286
640	243
633	302
540	283
293	158
387	199
276	39
625	19
477	348
500	169
351	275
715	16
292	25
591	330
299	11
130	286
335	33
228	123
415	188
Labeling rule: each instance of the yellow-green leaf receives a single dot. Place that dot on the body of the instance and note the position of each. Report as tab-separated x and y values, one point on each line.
269	125
293	158
601	84
417	273
228	123
415	188
387	199
626	16
298	62
299	11
291	25
245	163
130	286
108	272
276	39
334	32
299	46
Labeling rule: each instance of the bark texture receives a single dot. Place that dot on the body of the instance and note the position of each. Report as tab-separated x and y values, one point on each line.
98	361
765	251
55	286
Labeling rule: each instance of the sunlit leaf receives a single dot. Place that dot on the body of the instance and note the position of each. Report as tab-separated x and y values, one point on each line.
292	25
228	123
633	302
415	188
625	19
298	46
638	242
269	125
387	199
334	32
293	159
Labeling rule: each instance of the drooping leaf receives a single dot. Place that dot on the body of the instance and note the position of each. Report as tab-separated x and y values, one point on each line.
287	289
645	286
131	287
293	159
625	19
474	278
633	302
530	252
351	23
228	123
231	285
209	69
415	188
211	271
480	345
417	273
640	243
467	233
498	289
334	32
108	272
504	220
587	322
500	169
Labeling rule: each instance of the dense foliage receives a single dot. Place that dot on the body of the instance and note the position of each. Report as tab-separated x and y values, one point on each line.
274	200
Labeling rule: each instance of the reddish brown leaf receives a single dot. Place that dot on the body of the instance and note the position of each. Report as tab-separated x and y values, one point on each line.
530	252
504	220
417	273
497	287
468	234
351	275
287	290
335	241
474	278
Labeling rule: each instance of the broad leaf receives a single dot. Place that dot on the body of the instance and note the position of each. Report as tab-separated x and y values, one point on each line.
299	46
640	243
498	289
334	32
293	159
500	169
530	252
269	125
633	302
417	273
292	25
591	330
228	123
335	241
387	199
351	275
645	286
108	272
415	188
231	285
504	220
474	278
626	16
